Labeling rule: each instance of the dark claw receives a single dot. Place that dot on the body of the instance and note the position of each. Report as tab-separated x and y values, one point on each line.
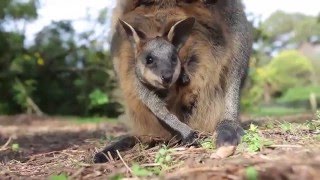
191	140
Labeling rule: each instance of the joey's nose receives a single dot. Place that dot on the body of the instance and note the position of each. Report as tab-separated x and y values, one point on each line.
166	78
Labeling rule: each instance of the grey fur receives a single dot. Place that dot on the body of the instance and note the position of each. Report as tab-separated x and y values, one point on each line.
236	21
158	107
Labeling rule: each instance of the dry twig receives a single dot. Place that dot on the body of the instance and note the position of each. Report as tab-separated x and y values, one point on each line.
124	163
4	147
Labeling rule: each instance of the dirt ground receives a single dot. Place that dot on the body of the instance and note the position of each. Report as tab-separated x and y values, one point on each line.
55	148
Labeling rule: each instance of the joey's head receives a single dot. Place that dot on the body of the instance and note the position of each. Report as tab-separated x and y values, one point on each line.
157	63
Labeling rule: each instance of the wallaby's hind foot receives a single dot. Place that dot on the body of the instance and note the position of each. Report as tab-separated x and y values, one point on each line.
124	143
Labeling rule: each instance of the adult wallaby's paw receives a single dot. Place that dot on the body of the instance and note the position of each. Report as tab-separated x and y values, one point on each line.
229	133
191	140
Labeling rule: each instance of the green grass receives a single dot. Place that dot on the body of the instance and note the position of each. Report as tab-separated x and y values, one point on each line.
163	157
275	111
207	144
15	147
90	120
286	127
140	171
297	94
59	177
253	140
251	173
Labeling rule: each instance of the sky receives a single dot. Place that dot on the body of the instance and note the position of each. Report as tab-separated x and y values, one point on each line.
55	10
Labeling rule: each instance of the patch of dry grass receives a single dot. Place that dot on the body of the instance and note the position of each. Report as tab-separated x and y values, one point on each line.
293	154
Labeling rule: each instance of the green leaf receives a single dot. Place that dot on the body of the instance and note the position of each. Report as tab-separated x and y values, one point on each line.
116	177
15	147
59	177
98	98
139	171
207	144
251	173
253	128
168	158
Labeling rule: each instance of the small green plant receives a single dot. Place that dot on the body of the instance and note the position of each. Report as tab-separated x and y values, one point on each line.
253	140
116	177
270	125
59	177
313	125
140	171
251	173
286	127
207	144
163	157
15	147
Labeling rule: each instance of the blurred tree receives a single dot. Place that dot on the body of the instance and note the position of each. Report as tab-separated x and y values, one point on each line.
12	14
283	31
64	72
287	70
271	77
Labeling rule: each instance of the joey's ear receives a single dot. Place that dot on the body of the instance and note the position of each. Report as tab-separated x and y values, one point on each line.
180	32
134	35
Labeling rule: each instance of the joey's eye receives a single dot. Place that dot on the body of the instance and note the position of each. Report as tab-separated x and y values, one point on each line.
149	60
174	60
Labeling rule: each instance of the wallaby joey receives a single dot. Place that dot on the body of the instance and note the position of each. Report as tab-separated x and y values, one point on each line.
157	62
157	68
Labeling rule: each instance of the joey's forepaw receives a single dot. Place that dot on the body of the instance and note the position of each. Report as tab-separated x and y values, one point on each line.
191	140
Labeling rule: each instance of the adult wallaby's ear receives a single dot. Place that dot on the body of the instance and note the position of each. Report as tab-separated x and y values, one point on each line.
134	35
180	32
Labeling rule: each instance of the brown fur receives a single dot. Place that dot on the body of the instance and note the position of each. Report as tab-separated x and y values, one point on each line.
205	90
215	57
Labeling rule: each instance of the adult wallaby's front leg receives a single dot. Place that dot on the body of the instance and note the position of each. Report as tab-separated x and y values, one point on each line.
158	107
229	130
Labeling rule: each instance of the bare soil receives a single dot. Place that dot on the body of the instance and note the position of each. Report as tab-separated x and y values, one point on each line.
48	147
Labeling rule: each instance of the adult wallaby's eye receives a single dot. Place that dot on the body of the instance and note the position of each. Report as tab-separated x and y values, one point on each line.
149	60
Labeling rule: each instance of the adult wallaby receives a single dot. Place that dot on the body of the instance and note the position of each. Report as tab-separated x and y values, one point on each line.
216	59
